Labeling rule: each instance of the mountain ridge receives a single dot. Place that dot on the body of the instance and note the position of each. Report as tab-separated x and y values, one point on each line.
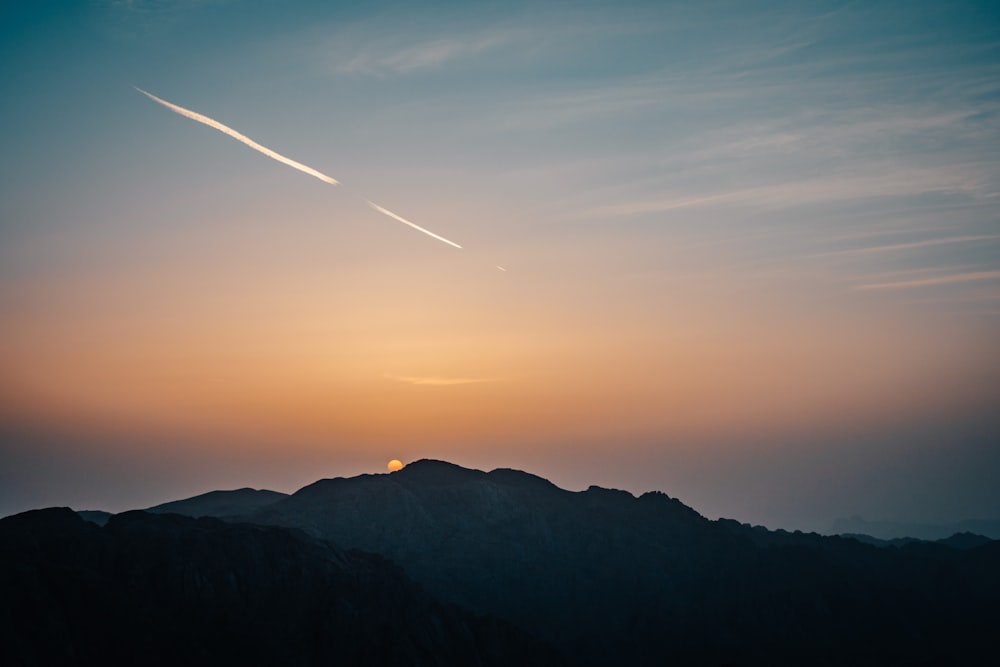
605	577
892	530
220	503
600	573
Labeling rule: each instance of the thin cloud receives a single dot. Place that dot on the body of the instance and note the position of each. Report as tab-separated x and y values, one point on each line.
894	183
388	47
133	20
158	5
440	381
380	60
656	206
909	246
972	276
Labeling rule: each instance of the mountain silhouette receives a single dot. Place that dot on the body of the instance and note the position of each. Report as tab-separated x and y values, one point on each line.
220	504
599	577
956	541
890	530
99	517
610	578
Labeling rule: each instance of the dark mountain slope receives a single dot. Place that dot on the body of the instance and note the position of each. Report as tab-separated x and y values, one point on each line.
614	579
504	541
220	504
98	517
170	590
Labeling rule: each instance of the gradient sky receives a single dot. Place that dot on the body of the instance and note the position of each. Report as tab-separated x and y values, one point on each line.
752	250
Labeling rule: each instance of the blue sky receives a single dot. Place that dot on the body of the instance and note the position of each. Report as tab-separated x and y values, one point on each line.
752	249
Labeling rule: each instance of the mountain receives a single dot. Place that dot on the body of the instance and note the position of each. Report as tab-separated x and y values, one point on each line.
100	517
472	565
220	504
171	590
889	530
610	578
956	541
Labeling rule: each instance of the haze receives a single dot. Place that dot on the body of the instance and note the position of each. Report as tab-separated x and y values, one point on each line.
751	251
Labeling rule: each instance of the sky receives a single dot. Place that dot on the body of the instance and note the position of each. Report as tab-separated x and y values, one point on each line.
745	253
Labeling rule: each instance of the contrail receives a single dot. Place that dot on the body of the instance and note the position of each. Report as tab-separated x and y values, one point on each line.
242	138
407	222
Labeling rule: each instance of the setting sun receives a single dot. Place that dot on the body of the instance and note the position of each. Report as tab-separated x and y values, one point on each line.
394	465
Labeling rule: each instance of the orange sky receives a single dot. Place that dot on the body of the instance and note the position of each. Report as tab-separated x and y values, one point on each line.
751	256
410	357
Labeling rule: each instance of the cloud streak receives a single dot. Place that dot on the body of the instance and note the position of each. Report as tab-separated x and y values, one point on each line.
381	59
912	245
938	280
390	47
243	139
440	381
893	182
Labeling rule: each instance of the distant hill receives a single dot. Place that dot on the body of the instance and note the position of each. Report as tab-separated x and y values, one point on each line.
956	541
220	504
99	517
169	590
890	530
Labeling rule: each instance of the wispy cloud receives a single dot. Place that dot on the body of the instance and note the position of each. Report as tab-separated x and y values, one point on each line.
890	181
440	381
131	20
384	57
515	38
973	276
911	245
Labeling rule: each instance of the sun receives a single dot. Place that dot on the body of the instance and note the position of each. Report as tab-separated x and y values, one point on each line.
394	465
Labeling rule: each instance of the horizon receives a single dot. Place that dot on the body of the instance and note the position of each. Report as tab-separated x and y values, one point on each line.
874	525
748	256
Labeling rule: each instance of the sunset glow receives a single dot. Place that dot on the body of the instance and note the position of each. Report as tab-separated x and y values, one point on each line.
746	255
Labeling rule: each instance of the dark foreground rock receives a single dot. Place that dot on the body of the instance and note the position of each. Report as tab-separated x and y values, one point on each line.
170	590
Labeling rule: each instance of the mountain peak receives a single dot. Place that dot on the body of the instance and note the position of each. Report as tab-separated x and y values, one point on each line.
220	503
519	478
433	471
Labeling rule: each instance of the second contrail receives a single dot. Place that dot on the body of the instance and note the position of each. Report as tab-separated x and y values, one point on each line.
407	222
242	138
